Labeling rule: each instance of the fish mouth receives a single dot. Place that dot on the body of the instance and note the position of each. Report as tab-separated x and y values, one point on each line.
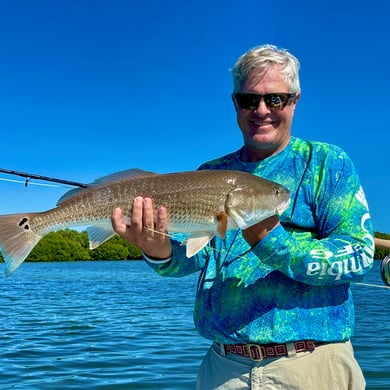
282	207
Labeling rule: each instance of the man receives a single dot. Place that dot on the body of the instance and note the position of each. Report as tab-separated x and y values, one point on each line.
275	298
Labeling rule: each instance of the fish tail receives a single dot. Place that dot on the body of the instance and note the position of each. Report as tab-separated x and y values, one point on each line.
17	239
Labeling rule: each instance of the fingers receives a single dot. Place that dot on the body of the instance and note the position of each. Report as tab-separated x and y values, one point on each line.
136	219
146	229
117	221
147	216
162	219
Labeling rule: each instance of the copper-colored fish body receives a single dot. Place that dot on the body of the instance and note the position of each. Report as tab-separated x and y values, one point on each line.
199	203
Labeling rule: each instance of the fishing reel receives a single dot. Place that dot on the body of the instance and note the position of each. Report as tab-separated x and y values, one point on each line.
385	270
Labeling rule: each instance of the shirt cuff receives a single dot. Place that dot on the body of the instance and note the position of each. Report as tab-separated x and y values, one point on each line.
156	261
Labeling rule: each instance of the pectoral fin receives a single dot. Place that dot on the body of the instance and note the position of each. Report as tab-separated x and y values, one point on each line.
197	242
244	221
98	234
234	202
238	219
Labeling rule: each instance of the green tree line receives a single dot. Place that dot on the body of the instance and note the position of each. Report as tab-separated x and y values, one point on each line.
381	253
71	245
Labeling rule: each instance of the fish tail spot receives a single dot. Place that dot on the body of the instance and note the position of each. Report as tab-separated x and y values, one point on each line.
23	221
17	239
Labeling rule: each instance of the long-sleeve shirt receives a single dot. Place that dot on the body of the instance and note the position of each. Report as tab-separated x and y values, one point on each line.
295	283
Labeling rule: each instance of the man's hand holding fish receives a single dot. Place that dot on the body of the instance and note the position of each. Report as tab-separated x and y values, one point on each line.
147	232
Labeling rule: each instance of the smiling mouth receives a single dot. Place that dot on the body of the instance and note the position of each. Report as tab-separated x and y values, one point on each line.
256	123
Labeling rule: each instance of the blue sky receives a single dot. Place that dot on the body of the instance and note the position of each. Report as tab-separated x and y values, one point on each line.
93	87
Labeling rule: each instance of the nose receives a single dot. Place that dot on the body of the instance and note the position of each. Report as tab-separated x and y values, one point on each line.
262	108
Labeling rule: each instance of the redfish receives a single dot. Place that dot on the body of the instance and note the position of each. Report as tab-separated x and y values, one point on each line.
201	204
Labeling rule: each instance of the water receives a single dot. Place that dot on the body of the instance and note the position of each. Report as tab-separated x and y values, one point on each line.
117	325
372	334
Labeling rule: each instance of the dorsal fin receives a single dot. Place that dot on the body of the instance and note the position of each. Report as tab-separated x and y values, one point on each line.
112	177
126	174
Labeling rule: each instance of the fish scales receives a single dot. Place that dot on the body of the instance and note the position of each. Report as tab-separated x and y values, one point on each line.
202	203
188	200
199	197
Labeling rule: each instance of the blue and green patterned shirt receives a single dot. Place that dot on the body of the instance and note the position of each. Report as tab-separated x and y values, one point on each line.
295	283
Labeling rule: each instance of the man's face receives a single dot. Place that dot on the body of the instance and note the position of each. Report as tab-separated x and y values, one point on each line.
266	131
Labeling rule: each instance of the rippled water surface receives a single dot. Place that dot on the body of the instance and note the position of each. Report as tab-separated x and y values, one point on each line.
117	325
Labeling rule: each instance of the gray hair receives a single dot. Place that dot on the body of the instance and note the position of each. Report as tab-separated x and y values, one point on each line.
260	58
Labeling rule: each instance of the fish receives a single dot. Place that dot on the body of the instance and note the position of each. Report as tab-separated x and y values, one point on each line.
201	204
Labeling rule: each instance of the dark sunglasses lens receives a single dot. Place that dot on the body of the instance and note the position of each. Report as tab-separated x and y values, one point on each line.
247	101
273	101
276	101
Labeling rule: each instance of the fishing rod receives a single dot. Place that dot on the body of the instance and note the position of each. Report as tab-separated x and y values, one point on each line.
381	243
29	176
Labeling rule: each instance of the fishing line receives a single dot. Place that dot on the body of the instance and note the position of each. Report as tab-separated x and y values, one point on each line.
29	182
371	285
67	183
242	256
162	233
184	242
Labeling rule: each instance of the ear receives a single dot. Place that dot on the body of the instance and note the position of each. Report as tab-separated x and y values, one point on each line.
295	101
297	98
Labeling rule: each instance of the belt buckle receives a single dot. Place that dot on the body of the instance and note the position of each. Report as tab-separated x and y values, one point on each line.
255	353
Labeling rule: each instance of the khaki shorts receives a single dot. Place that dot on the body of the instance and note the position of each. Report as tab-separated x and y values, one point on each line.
329	367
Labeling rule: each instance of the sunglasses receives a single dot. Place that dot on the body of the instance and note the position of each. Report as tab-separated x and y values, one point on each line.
273	101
